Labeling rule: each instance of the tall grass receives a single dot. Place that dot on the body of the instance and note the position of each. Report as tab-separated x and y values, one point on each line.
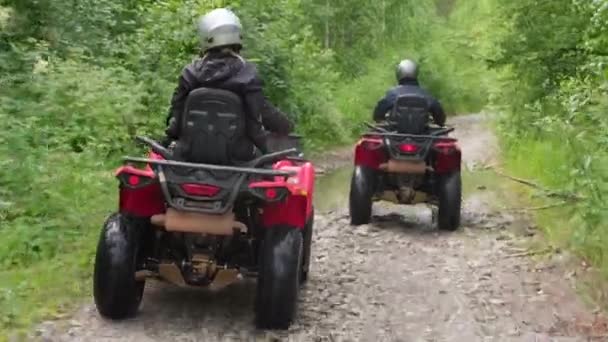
552	94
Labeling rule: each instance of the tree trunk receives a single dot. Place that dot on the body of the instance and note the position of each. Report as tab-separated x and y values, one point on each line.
326	24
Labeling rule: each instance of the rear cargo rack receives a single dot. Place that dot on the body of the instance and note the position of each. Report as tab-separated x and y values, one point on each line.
413	136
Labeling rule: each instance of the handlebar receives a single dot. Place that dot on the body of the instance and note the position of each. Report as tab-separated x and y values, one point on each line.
272	157
155	146
443	131
372	126
290	135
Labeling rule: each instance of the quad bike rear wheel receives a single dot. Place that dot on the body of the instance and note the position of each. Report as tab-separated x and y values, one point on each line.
450	201
279	277
117	293
360	197
307	236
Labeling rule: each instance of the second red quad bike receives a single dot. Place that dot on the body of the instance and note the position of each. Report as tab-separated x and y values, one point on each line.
407	169
208	225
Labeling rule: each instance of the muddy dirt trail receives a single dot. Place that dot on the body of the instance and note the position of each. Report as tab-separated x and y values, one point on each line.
397	279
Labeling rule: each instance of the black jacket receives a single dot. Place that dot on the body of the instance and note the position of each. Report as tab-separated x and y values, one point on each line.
408	87
226	71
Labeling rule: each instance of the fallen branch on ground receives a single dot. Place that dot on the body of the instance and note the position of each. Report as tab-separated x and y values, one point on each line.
543	207
519	180
490	166
549	193
530	253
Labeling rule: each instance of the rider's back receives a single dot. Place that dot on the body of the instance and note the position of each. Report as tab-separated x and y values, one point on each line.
409	97
234	123
213	124
212	127
410	113
222	70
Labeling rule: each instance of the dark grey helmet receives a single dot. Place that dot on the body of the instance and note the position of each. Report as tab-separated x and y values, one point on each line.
407	69
220	27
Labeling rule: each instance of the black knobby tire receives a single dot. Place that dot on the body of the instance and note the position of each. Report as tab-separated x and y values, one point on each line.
279	278
450	201
117	293
361	193
307	236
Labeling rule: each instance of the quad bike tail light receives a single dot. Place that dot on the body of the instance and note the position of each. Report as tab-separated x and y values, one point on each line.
140	192
201	190
270	194
408	148
134	181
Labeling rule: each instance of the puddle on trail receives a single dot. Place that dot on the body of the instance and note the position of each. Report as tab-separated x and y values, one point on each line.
331	190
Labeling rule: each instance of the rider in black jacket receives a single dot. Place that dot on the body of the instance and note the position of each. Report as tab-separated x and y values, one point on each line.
221	66
407	75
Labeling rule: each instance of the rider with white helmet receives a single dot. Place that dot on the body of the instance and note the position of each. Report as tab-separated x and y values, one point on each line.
221	66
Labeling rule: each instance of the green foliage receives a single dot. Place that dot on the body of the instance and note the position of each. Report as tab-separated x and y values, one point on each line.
357	100
455	58
553	58
76	97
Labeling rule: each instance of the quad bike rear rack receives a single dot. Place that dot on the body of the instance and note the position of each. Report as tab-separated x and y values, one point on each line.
436	136
249	168
211	206
386	135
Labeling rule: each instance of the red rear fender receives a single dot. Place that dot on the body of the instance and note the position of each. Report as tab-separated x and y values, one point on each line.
369	153
140	193
296	208
447	157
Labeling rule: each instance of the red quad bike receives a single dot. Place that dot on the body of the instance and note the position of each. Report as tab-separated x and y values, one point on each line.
208	225
407	169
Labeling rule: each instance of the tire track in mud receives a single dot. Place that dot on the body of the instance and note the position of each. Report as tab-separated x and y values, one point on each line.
397	279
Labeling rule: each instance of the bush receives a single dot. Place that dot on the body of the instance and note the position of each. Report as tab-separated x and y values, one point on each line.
555	105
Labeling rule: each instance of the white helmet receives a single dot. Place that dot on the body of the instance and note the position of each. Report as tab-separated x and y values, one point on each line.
407	69
220	27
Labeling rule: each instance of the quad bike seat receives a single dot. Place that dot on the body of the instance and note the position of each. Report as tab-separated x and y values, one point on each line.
410	114
212	125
